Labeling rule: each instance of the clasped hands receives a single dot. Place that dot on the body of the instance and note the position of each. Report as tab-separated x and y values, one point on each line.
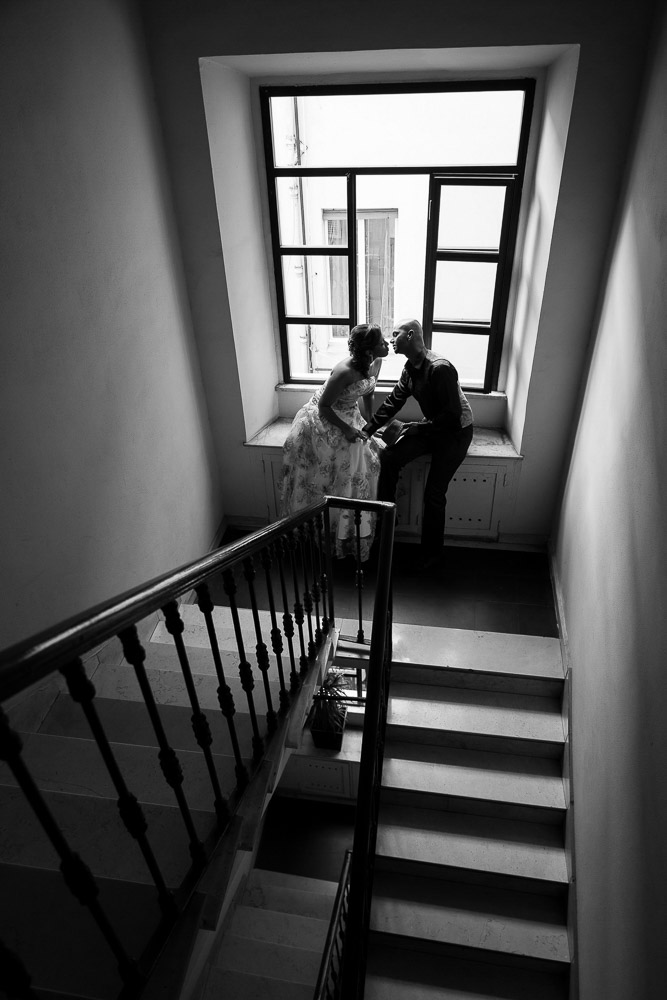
407	429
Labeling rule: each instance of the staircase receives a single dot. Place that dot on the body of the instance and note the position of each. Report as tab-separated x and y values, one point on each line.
274	943
55	937
471	883
470	891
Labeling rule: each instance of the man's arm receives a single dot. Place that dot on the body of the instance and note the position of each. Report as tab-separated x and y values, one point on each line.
445	393
392	404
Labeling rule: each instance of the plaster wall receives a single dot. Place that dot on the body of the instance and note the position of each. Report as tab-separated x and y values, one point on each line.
108	477
611	44
610	555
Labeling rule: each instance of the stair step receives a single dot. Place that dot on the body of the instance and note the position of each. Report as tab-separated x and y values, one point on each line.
61	764
277	961
480	845
57	939
196	633
475	719
520	925
242	986
287	900
267	877
93	828
477	679
280	928
163	656
517	787
476	651
128	722
290	898
120	681
391	976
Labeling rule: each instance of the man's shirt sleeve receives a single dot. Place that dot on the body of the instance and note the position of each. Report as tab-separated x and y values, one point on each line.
393	403
445	394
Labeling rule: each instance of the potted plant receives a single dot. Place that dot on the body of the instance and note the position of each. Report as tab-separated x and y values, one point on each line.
327	718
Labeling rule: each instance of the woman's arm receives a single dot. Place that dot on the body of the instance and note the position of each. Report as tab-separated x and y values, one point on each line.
339	379
367	399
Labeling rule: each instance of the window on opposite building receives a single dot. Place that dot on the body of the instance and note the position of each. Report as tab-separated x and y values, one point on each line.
431	174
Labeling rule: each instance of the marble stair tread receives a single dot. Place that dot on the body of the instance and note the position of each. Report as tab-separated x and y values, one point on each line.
93	828
119	681
290	929
268	877
64	764
413	974
475	843
474	774
459	926
128	722
493	713
162	656
196	634
58	940
241	986
288	899
500	652
287	963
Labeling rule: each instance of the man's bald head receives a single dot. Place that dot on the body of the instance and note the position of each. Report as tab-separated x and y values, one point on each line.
408	339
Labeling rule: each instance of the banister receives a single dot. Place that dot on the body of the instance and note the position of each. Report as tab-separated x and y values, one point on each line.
304	555
30	660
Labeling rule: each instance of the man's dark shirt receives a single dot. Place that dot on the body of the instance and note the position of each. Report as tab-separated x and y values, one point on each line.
435	386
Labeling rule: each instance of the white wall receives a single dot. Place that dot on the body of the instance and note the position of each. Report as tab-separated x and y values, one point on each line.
611	558
611	42
108	477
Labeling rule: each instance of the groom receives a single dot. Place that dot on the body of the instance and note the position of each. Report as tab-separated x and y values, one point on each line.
445	432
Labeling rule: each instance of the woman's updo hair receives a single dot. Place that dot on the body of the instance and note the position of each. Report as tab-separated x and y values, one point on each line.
361	342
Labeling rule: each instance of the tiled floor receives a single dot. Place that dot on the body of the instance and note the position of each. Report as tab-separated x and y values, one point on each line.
491	590
482	589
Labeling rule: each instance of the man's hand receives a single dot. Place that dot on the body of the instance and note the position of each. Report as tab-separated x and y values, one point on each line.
352	434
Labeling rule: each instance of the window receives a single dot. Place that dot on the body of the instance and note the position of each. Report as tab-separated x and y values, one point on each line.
431	176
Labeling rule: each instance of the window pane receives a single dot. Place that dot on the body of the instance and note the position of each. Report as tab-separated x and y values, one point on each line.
314	350
442	129
315	286
466	352
471	217
392	216
305	204
464	291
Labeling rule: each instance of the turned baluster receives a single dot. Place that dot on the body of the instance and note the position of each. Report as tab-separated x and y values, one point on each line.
307	596
78	877
288	621
225	696
298	607
245	670
276	634
200	726
261	650
135	655
82	691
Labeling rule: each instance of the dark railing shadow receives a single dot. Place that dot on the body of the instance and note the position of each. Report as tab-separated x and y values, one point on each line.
277	589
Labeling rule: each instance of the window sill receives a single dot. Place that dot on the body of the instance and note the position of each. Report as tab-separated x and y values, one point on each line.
488	443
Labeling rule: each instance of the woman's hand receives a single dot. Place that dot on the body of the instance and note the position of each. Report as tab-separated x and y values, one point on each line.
352	434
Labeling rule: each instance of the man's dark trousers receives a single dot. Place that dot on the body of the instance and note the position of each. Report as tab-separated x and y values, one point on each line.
447	451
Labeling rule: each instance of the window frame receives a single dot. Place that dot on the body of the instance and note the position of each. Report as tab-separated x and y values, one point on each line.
510	175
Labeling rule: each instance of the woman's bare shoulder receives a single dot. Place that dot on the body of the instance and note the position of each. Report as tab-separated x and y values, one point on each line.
343	372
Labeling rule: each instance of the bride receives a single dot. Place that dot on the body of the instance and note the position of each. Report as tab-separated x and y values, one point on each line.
327	450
